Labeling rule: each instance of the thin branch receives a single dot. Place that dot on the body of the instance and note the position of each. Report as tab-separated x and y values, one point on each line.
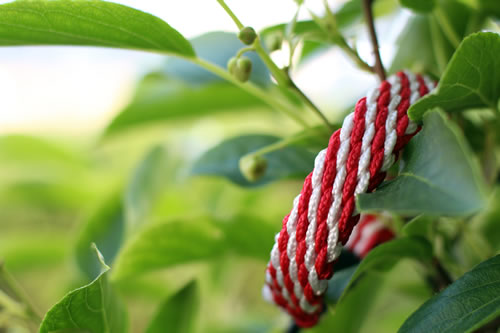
379	68
281	76
331	29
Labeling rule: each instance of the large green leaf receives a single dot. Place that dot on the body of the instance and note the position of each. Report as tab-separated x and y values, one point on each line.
237	231
223	160
92	308
159	99
465	305
414	47
470	80
421	6
88	23
177	313
385	256
104	227
347	316
148	180
439	176
165	245
216	47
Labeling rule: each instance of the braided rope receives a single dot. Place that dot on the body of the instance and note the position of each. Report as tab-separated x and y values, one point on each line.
323	217
367	234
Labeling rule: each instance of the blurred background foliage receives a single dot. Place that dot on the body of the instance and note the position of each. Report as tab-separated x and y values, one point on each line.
161	180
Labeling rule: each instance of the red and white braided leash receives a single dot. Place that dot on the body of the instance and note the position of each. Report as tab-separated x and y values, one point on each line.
367	234
323	217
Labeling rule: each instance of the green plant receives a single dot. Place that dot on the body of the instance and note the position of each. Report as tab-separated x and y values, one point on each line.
188	254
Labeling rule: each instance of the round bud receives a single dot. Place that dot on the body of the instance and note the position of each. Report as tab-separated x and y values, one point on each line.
253	167
231	64
247	35
243	69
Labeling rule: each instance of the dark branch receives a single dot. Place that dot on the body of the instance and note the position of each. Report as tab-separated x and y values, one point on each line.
379	68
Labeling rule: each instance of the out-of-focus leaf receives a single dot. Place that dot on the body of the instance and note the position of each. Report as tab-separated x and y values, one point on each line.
386	255
338	283
105	227
160	99
471	78
420	6
178	313
439	176
148	180
91	308
463	306
345	316
88	23
414	47
419	226
315	138
237	232
165	245
223	160
216	47
490	7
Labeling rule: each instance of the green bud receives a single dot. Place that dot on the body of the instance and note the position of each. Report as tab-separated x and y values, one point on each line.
243	69
247	35
231	64
253	167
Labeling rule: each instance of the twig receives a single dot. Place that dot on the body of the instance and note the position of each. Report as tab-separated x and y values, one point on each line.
379	68
281	76
442	278
331	29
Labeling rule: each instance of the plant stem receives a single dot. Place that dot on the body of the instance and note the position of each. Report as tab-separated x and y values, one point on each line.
448	29
230	13
244	50
20	294
311	105
281	77
336	37
442	278
379	68
250	88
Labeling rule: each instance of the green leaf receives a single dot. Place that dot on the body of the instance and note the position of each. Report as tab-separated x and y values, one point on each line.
338	283
92	308
420	6
464	306
159	99
237	231
148	180
178	313
216	47
439	176
414	47
87	23
490	7
165	245
470	80
419	226
223	160
347	316
385	256
104	227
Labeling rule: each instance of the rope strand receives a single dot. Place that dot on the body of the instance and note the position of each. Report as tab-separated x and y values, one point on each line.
322	218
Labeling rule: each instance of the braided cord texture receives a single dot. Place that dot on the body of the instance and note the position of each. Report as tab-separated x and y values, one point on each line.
322	218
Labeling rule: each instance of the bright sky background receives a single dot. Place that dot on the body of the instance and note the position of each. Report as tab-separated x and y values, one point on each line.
77	90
